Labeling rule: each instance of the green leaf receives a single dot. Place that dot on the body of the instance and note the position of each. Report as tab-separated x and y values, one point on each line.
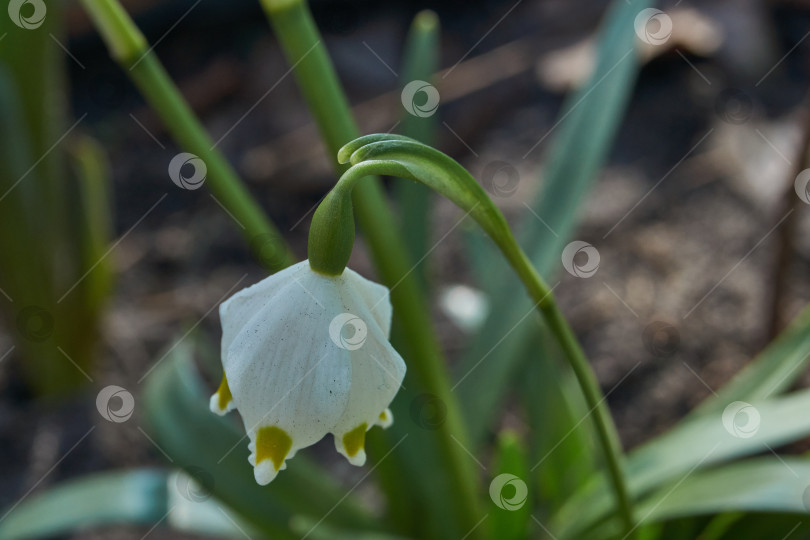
692	445
767	484
137	497
512	507
420	62
176	407
147	497
583	136
771	372
309	528
563	456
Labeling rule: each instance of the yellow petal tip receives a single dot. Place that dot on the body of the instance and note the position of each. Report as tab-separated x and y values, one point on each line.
273	444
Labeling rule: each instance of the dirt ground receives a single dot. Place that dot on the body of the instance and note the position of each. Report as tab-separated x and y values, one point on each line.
687	215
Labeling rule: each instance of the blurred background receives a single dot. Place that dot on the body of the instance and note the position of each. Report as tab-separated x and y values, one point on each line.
695	217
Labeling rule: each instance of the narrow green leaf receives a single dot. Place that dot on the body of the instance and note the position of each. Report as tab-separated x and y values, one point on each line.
562	457
147	497
136	497
692	445
420	62
510	490
767	484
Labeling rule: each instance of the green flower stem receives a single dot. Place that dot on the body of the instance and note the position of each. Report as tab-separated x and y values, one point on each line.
303	46
129	48
395	155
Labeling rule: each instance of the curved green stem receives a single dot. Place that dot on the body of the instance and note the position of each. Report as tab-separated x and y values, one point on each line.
405	158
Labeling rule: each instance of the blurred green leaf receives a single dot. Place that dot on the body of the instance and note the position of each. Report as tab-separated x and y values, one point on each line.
420	62
692	445
176	407
140	497
309	528
563	455
767	484
756	526
92	221
121	497
511	515
583	135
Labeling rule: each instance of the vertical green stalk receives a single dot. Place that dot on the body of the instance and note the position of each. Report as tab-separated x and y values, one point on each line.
129	48
420	62
304	48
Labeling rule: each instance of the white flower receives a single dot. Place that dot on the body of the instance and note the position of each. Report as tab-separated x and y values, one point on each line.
306	354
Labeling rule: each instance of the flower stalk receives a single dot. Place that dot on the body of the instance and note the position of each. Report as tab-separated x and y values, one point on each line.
403	157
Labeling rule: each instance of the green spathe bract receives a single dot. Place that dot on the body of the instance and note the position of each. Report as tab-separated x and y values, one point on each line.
331	235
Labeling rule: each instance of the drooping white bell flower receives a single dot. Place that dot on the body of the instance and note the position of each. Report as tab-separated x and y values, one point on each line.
306	354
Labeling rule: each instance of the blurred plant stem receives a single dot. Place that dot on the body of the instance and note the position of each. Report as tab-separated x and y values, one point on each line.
129	48
305	51
420	62
54	221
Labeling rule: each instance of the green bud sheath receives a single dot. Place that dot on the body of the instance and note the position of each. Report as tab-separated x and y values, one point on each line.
331	235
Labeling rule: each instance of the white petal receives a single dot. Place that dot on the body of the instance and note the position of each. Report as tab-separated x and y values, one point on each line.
377	373
283	369
236	311
375	296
